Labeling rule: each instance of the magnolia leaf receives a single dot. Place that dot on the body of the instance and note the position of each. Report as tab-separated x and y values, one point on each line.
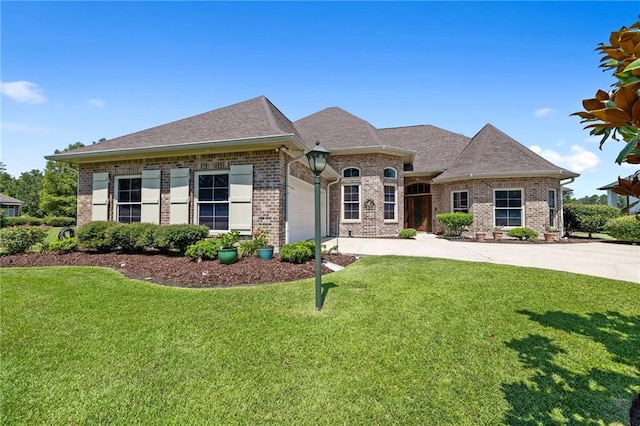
611	105
633	65
604	125
621	191
627	35
625	96
624	183
601	95
628	149
614	38
628	46
591	104
633	159
584	115
635	112
612	115
636	51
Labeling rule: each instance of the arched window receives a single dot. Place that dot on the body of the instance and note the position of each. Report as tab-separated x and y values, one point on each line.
418	188
390	173
351	172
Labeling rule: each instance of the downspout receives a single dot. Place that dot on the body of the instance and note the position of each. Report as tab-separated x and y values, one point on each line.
329	209
561	199
287	189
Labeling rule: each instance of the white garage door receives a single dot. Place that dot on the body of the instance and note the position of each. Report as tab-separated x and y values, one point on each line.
301	210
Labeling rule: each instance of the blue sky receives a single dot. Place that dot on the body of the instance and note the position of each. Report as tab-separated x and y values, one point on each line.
81	71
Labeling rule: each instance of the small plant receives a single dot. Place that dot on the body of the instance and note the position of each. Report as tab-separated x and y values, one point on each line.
250	247
229	239
548	228
298	252
206	249
330	250
407	233
18	239
625	228
454	223
67	245
523	233
497	229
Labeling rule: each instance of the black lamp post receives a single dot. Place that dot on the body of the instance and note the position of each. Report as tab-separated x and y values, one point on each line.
317	161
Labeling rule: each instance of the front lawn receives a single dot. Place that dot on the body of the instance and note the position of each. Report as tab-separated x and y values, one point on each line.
398	341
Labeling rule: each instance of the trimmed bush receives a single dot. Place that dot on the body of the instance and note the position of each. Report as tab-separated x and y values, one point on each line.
19	239
23	220
625	228
206	249
93	235
299	252
523	234
67	245
133	237
179	237
407	233
59	221
588	218
454	223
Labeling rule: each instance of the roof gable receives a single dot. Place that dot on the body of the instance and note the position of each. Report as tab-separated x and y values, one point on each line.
491	152
9	201
249	119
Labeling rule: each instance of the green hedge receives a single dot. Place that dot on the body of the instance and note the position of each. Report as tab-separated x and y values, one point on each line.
7	222
625	228
94	235
588	218
19	239
407	233
67	245
523	233
454	223
298	252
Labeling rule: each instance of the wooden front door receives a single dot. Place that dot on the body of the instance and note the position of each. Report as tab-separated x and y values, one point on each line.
418	211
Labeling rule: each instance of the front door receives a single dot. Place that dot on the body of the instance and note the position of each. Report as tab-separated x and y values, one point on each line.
418	211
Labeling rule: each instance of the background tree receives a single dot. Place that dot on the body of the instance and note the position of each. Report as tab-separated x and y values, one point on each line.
7	184
26	189
616	115
59	193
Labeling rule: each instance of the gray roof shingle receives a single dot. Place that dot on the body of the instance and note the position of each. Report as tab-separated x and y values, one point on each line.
492	153
249	119
9	201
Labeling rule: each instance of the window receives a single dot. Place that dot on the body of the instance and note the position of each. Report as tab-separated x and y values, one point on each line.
553	208
213	200
508	207
351	202
390	173
460	201
351	172
390	197
418	188
128	199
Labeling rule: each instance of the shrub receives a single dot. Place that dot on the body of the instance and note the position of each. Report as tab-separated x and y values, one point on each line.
523	234
248	247
23	220
298	252
625	228
18	239
59	221
67	245
588	218
229	239
179	237
454	223
133	237
407	233
93	235
206	249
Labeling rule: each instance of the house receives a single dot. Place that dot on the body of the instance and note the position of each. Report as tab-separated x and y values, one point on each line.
243	167
10	205
612	197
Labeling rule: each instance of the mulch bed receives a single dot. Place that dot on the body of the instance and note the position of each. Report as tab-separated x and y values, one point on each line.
181	271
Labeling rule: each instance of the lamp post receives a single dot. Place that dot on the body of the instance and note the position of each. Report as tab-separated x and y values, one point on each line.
317	161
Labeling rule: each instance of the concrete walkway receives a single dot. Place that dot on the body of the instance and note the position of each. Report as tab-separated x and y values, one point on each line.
608	260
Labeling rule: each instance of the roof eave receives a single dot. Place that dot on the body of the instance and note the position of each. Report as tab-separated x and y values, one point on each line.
407	154
422	173
190	146
559	174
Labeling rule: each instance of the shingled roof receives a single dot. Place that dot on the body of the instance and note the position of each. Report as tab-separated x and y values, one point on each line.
250	119
491	153
435	148
9	201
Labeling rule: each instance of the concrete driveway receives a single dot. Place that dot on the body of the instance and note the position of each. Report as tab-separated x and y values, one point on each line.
608	260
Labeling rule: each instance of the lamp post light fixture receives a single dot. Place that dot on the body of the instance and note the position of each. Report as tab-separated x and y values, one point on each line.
317	162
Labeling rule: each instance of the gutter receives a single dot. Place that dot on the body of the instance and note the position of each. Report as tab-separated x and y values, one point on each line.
540	173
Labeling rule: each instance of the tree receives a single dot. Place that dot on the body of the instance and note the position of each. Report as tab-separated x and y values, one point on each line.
26	189
59	193
616	115
7	184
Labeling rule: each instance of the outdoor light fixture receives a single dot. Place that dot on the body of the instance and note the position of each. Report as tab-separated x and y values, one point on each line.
317	162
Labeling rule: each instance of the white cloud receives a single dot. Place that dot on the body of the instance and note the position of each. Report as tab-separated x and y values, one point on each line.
23	128
579	160
97	103
542	112
23	91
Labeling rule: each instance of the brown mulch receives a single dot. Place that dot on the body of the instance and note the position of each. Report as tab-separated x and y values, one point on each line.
181	271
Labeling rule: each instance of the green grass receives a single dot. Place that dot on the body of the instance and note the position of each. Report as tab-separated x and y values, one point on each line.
398	341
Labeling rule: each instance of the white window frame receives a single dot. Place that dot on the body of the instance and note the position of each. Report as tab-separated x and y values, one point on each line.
197	202
395	202
395	173
455	209
357	184
522	205
553	212
116	196
352	177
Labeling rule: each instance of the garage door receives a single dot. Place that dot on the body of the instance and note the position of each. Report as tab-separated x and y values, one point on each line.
301	210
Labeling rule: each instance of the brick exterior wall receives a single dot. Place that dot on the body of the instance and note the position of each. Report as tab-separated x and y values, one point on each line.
535	193
371	181
268	184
